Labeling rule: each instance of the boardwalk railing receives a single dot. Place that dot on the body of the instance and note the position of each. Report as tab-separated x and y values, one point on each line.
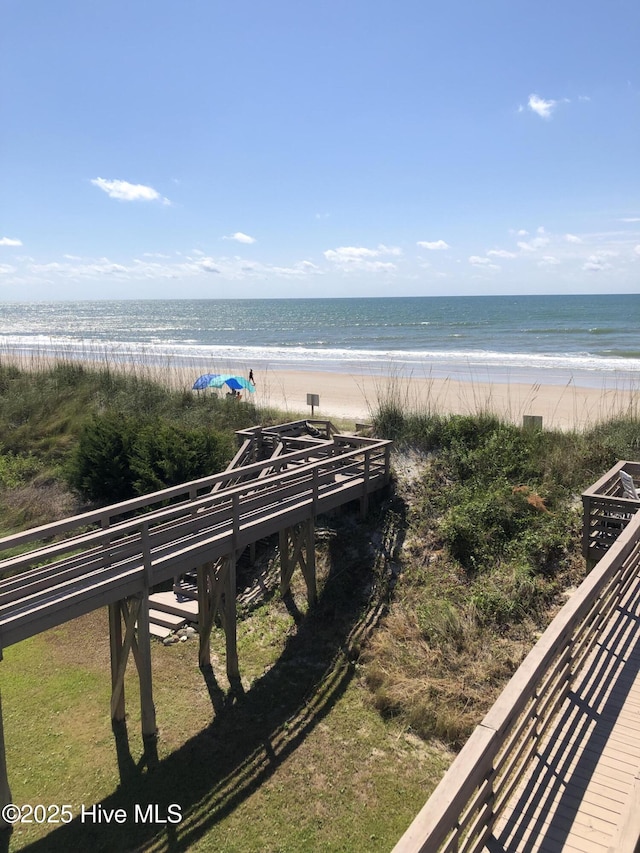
607	511
474	795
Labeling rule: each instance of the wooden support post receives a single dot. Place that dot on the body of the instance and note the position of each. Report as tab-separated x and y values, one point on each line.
5	791
120	653
205	615
230	618
309	565
115	643
286	563
142	656
217	597
135	611
302	540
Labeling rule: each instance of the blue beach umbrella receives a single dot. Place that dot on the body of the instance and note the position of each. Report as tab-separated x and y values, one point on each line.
217	380
202	382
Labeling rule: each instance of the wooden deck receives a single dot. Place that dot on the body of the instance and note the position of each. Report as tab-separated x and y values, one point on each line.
555	764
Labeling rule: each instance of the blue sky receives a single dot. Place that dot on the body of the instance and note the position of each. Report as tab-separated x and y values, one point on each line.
300	148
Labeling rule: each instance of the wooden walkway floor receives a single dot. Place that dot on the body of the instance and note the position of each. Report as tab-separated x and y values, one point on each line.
582	790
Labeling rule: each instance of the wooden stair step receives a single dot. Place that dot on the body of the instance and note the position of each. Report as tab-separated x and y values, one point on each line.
168	620
168	603
159	631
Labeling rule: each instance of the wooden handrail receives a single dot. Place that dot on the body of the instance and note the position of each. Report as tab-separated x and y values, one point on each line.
105	515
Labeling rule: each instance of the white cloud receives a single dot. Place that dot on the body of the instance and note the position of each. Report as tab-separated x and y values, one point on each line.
630	219
501	253
572	238
6	269
360	258
239	237
124	191
155	267
548	261
598	261
533	245
209	265
10	241
637	249
433	246
541	107
485	263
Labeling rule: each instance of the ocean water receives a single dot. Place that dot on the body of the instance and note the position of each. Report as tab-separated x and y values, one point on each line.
591	340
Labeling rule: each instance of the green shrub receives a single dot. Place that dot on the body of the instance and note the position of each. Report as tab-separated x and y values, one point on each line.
99	468
118	457
15	469
501	452
164	454
480	526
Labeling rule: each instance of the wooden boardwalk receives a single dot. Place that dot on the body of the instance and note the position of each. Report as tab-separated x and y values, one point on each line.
278	482
555	764
106	557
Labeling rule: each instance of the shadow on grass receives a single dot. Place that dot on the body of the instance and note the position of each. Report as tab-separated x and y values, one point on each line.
252	733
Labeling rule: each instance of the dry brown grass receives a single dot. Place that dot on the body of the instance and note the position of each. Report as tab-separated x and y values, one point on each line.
36	503
443	686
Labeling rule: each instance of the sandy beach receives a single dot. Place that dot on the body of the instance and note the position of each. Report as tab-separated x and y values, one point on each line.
355	396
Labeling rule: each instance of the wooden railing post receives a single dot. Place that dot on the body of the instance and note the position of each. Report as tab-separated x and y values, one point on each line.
315	491
235	521
364	500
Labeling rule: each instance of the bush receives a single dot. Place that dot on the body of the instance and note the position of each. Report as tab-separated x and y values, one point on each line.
479	529
163	454
100	467
15	469
118	457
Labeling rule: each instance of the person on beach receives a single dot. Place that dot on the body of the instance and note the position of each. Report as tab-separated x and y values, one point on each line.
251	379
